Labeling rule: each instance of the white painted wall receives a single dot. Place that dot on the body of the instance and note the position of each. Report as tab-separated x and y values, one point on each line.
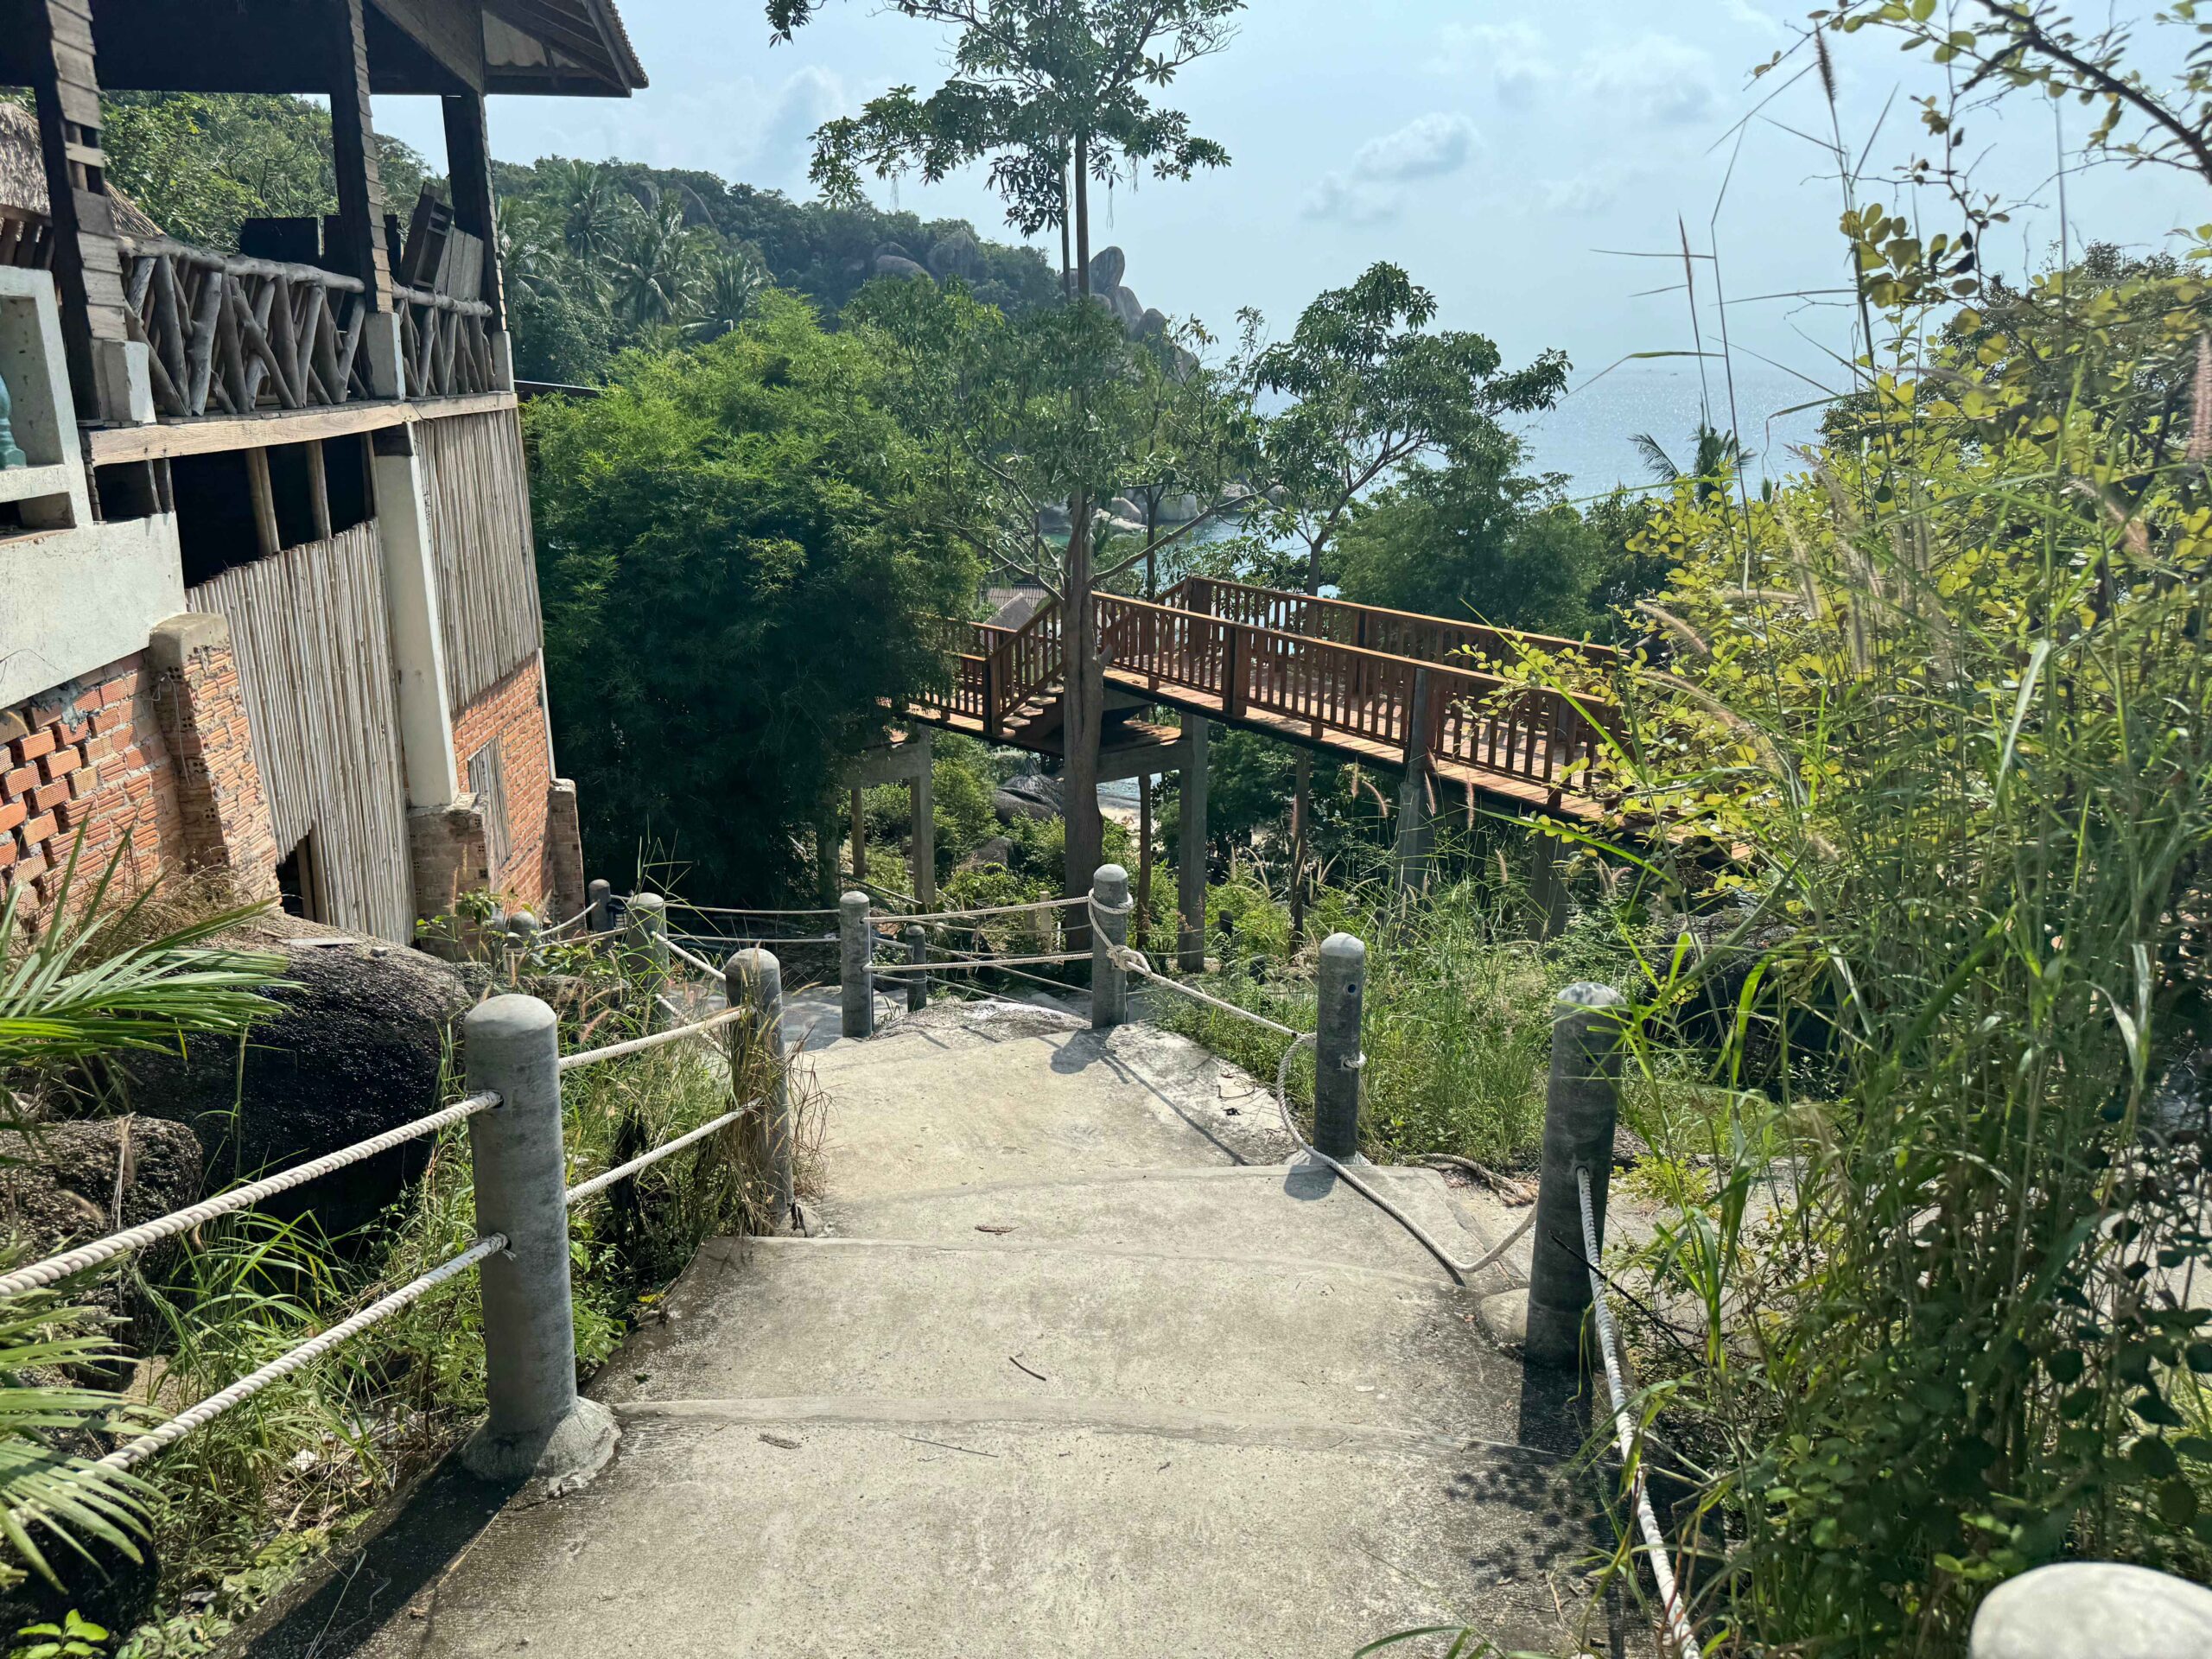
75	595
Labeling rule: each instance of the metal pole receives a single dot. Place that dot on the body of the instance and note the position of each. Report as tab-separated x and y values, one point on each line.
602	920
1581	1106
645	940
536	1425
754	979
1109	927
857	961
1341	985
918	955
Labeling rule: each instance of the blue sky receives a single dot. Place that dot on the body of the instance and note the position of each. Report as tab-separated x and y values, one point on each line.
1492	149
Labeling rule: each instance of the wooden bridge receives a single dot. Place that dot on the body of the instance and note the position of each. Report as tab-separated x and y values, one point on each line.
1389	687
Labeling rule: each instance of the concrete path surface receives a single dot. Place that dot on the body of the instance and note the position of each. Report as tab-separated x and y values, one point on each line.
1074	1363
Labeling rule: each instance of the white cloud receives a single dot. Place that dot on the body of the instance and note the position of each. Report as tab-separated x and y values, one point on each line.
808	97
1656	78
1597	190
1427	148
1349	202
1513	55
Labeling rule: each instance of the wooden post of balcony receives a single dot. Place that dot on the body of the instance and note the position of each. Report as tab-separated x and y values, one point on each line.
468	169
994	716
1416	835
87	260
357	246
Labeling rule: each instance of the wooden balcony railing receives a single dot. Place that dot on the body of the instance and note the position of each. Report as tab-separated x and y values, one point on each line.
26	238
230	335
445	345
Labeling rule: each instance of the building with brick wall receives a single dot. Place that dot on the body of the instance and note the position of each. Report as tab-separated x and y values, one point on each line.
270	607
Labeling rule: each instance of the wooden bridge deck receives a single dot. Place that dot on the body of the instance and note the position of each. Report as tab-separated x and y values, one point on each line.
1387	688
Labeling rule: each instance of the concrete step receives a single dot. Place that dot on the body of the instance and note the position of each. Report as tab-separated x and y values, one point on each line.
1300	1210
1316	1342
819	1528
962	1095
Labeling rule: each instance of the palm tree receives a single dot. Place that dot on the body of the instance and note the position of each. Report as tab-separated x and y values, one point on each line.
733	280
594	206
1719	456
657	263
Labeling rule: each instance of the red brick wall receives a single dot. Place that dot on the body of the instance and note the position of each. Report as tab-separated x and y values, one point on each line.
510	715
90	751
154	747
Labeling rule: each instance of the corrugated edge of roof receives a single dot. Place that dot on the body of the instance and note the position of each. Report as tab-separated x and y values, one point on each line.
618	41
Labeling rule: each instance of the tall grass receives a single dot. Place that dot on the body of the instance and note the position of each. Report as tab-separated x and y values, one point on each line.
1958	723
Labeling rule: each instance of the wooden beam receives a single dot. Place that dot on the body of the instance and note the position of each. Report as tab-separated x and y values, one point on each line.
87	259
468	172
264	502
109	445
452	35
344	57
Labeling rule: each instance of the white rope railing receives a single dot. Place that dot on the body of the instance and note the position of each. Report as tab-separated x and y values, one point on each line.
657	1039
992	910
700	963
726	910
57	1268
563	927
199	1416
601	1182
1134	962
971	964
1655	1544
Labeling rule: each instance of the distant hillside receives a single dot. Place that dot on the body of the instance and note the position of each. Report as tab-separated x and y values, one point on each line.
823	252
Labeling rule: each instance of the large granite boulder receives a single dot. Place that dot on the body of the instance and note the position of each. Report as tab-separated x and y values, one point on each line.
892	264
359	1047
1108	267
956	254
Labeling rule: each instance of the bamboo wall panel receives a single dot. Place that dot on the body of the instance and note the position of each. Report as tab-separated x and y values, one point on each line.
314	660
479	497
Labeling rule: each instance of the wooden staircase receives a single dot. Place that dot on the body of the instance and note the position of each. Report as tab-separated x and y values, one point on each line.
1358	681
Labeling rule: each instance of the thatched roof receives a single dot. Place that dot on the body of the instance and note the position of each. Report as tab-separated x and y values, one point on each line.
22	175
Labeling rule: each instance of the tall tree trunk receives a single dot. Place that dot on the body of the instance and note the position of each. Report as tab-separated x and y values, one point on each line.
1067	257
1085	676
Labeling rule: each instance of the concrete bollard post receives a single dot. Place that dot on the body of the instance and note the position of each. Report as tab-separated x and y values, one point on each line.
522	937
536	1425
857	963
1341	984
754	979
917	956
645	941
602	918
2093	1609
1581	1106
1110	928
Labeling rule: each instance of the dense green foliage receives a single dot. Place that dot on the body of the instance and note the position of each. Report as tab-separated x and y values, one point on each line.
199	164
735	547
604	255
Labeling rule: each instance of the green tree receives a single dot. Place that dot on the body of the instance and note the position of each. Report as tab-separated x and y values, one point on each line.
1372	392
1054	96
734	548
199	164
1715	459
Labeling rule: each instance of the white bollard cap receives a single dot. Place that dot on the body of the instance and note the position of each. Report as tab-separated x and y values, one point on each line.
2094	1610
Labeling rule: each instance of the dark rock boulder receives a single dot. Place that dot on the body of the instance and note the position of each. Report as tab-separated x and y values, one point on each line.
892	265
65	1184
994	853
1031	795
359	1048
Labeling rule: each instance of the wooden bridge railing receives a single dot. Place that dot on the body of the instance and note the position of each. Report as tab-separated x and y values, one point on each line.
1396	634
1367	700
1354	699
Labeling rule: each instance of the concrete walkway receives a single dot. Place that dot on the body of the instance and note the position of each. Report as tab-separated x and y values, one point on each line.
1074	1364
